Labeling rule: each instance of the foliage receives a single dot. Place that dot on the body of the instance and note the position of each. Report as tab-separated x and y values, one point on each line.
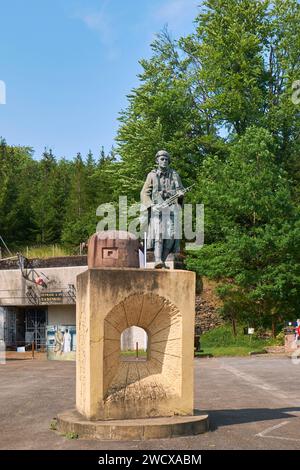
253	229
50	201
53	424
221	342
71	435
45	251
220	101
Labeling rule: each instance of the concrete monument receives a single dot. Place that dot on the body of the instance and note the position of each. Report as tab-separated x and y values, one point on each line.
134	399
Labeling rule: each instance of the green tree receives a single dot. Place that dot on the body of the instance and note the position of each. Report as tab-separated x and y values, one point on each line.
251	229
75	228
47	200
247	54
16	166
220	101
163	112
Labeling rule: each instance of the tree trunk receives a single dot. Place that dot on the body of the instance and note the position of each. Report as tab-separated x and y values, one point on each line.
233	326
273	328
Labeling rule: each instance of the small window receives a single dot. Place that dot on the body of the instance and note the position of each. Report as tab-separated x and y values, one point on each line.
134	344
110	253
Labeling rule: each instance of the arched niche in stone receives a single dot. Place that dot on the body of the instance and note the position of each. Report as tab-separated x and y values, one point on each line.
137	389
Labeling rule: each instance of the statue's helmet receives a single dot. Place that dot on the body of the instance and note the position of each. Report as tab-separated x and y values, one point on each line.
161	153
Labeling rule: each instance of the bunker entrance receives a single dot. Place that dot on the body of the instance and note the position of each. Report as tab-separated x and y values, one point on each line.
24	326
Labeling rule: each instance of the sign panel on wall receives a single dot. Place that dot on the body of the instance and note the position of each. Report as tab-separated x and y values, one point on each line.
61	342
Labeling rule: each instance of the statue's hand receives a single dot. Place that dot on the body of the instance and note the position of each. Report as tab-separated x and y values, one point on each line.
163	194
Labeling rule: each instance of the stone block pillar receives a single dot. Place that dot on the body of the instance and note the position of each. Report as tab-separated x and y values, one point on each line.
109	300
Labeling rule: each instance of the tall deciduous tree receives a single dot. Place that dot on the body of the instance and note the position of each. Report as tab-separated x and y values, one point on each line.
163	112
252	230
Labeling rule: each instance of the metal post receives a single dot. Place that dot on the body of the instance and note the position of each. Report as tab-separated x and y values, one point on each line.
137	350
32	349
5	245
145	249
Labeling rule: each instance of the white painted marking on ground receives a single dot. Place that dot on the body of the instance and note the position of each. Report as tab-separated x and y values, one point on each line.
281	438
268	430
272	428
258	383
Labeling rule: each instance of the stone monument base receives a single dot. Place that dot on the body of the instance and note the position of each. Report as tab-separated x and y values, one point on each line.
132	429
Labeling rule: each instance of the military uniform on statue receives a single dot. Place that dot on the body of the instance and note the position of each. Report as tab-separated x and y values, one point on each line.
162	196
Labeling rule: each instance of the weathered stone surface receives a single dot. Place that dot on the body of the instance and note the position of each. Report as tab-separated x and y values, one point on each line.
132	429
113	249
119	319
111	300
290	345
133	309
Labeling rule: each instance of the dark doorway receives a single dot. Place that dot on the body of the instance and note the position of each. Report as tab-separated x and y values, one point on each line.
10	326
35	327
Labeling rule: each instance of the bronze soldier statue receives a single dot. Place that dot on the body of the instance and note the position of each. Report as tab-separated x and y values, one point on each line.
162	198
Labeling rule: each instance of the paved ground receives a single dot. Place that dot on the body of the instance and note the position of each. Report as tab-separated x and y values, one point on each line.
254	403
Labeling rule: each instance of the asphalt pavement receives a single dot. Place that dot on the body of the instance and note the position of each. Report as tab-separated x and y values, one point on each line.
253	403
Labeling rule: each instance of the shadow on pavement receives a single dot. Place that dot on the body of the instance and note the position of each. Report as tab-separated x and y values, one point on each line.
219	418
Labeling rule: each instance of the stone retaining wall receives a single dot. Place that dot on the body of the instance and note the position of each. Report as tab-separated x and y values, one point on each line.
207	304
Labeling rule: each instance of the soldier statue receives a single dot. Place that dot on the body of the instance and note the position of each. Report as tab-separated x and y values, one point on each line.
162	199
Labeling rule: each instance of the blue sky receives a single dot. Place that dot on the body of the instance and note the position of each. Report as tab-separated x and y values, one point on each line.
69	64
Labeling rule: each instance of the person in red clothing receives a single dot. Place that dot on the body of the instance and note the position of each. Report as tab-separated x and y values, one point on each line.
297	331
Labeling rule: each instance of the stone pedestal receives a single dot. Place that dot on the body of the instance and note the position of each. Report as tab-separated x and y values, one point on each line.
109	300
290	345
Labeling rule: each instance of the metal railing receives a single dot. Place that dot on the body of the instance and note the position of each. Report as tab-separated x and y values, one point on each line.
65	295
13	347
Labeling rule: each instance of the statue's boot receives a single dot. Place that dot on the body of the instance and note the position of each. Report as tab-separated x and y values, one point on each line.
165	266
159	265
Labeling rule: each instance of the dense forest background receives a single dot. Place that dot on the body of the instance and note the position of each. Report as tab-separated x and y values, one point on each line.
224	102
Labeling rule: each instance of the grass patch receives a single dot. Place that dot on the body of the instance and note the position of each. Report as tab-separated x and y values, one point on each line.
53	425
221	342
142	353
42	251
47	251
71	435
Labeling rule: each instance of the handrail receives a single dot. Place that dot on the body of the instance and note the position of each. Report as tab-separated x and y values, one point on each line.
31	344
